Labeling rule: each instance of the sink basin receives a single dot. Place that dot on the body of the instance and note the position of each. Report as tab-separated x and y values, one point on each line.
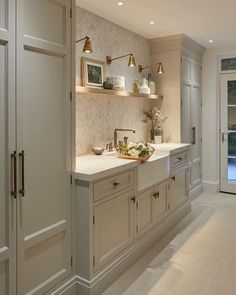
156	169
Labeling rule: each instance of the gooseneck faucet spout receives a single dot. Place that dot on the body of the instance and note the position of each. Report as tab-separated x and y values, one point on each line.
120	129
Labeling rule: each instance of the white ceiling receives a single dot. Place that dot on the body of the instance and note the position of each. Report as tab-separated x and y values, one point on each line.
201	20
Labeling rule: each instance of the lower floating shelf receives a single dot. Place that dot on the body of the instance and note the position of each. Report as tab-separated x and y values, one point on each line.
101	91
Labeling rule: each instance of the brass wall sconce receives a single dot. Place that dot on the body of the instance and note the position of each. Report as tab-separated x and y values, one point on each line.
131	62
160	68
87	44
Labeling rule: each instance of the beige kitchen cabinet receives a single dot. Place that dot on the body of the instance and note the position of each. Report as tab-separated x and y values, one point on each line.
35	145
182	59
145	211
179	188
151	207
162	201
113	228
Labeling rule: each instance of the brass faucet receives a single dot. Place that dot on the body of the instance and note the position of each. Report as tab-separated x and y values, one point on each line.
120	129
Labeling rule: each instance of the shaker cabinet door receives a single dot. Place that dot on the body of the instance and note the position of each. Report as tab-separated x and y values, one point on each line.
113	228
179	189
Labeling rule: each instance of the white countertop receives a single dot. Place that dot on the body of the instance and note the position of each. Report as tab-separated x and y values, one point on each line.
91	167
171	148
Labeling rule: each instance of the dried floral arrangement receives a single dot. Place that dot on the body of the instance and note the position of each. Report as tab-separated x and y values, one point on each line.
135	150
154	118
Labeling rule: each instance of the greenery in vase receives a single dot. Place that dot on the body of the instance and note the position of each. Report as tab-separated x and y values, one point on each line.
154	118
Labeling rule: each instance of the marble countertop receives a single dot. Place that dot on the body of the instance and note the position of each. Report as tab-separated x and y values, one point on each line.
91	167
171	148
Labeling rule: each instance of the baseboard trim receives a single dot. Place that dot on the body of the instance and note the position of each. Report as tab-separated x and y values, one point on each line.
210	186
195	192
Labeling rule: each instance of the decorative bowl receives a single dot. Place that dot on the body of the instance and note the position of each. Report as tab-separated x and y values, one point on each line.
98	150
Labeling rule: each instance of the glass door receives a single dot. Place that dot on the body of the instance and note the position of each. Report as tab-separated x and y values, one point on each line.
228	132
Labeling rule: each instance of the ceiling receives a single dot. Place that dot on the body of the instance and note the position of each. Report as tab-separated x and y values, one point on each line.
201	20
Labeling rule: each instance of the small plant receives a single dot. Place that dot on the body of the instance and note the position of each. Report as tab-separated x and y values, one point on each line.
136	150
154	118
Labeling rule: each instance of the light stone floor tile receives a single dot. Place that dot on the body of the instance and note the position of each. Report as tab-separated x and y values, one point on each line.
196	257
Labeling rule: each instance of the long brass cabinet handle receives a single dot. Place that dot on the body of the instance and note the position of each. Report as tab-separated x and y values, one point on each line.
13	175
194	135
22	190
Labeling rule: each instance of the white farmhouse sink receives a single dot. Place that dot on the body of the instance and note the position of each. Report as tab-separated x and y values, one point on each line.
156	169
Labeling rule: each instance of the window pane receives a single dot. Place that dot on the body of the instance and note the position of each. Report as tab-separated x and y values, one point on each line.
231	118
232	144
232	92
231	169
228	64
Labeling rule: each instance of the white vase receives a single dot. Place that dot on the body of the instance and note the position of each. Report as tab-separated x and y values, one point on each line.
144	89
157	139
151	84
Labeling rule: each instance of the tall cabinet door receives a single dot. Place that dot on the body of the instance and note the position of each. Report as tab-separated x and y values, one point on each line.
43	144
7	147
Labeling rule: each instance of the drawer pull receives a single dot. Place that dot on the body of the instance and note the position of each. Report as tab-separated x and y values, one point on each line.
156	195
173	178
116	183
180	158
133	199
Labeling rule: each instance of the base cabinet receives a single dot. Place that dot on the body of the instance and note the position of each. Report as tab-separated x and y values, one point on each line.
151	206
113	228
179	187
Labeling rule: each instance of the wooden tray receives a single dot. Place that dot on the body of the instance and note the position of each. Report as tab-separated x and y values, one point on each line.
143	160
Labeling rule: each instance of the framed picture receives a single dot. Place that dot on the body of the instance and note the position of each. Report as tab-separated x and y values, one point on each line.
93	72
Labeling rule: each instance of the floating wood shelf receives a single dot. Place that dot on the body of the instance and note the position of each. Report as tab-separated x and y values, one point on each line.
101	91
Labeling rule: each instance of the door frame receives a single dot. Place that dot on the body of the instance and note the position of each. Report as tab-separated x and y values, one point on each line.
220	74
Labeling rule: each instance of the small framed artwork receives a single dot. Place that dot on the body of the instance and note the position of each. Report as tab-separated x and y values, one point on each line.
93	72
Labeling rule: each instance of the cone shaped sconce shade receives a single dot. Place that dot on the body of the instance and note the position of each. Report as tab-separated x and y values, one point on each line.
87	44
160	69
132	62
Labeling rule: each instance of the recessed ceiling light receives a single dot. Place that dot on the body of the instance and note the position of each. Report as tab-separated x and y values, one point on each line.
151	22
210	41
120	3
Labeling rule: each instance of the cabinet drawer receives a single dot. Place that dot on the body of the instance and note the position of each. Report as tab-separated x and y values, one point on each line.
179	159
112	185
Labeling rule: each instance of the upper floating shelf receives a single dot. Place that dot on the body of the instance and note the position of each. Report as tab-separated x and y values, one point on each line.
91	90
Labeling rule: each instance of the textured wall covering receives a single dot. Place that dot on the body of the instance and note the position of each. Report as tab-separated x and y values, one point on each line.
97	116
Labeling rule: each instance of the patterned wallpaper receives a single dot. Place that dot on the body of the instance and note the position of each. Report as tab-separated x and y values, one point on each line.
97	116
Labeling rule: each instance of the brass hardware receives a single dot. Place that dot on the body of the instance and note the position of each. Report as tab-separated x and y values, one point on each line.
169	206
180	158
13	175
173	178
71	261
116	183
223	135
125	140
160	68
94	260
131	63
22	190
93	219
87	44
194	135
137	205
133	199
120	129
136	229
156	195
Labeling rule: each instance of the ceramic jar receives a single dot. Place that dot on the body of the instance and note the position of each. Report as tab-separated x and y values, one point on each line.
144	89
117	81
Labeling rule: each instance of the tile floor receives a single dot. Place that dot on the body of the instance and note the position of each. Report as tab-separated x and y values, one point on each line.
197	257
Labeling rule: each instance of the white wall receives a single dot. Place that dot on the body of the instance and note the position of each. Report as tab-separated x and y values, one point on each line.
210	115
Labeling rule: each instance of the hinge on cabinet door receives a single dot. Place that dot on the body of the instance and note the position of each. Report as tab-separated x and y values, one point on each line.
181	60
70	95
71	179
71	261
201	139
181	103
137	206
93	260
136	229
93	219
70	12
201	104
169	187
